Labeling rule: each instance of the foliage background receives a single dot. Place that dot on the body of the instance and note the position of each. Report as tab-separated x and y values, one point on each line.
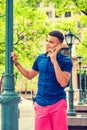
31	26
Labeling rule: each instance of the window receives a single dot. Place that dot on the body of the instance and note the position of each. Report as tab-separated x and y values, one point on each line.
49	14
68	14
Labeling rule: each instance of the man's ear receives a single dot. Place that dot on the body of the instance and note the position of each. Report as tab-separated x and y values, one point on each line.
58	47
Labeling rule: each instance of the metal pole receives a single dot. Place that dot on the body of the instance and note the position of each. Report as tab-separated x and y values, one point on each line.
71	111
9	99
80	86
85	89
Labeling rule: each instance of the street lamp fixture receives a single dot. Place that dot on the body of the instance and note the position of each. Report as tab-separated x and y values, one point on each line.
79	58
85	84
69	38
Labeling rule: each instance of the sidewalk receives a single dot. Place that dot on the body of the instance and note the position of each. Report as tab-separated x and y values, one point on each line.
26	119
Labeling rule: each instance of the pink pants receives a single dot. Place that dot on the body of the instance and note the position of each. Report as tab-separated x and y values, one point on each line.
52	117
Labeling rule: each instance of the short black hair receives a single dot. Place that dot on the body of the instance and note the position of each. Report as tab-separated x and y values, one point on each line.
57	34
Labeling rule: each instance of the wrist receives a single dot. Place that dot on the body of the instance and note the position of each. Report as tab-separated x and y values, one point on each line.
16	63
55	62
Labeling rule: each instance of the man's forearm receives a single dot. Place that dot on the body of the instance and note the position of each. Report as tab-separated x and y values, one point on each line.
23	71
62	77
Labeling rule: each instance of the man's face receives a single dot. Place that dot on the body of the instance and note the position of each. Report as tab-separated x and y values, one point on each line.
52	42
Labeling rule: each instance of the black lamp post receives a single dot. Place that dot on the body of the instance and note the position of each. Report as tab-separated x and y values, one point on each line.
79	58
69	37
85	84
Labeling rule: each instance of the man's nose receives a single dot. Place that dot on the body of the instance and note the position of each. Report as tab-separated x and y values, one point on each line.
48	43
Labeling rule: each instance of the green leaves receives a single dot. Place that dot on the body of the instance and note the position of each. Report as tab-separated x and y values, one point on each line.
31	25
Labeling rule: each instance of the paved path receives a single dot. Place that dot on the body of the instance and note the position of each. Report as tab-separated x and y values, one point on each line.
26	119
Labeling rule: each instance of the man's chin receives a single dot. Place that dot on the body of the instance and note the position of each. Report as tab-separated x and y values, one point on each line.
47	50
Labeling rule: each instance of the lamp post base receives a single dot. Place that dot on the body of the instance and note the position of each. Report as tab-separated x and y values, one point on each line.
71	112
80	103
9	108
85	95
80	97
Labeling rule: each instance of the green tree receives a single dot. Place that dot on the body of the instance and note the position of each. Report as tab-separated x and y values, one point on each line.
31	26
2	35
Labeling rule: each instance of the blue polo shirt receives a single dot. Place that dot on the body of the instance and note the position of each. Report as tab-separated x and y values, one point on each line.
49	90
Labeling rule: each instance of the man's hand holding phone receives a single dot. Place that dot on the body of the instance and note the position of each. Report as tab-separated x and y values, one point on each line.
52	53
55	49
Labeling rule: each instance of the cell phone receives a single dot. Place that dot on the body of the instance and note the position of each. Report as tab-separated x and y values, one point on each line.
58	47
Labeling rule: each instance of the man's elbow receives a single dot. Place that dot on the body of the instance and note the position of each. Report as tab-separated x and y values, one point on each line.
63	84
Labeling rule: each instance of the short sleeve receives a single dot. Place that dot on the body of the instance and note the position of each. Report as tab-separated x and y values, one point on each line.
67	65
35	65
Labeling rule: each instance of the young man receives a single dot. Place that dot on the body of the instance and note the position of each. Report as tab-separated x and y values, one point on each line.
54	70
